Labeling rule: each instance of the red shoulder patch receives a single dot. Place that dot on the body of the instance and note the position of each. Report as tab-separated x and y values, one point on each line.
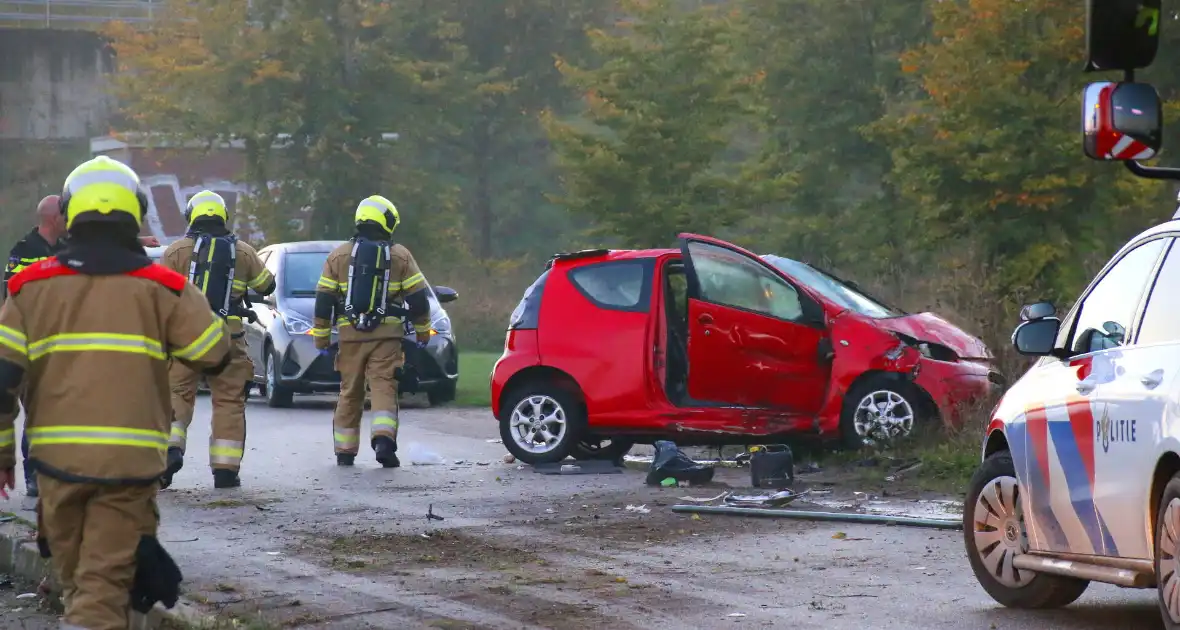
48	268
162	275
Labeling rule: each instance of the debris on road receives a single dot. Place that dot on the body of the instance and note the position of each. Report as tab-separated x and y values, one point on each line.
671	462
588	467
879	519
419	455
495	441
772	466
706	499
901	472
765	500
509	459
642	509
430	515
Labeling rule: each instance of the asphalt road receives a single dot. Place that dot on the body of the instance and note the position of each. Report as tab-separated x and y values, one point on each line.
309	545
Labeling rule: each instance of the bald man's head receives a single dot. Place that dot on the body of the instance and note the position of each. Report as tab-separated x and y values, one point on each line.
50	221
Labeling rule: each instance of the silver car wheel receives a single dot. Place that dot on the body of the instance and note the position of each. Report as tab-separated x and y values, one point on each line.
999	531
883	414
270	374
538	424
1169	578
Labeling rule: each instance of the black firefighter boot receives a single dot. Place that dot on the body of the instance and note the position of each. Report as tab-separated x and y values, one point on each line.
345	459
386	452
226	478
175	463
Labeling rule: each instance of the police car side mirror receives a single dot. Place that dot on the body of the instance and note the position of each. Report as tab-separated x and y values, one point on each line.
1037	310
1036	337
1121	121
445	294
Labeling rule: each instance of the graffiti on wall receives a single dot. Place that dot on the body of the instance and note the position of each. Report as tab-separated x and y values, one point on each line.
173	175
168	198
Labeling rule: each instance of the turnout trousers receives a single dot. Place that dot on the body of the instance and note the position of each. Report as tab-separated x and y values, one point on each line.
227	440
92	532
357	361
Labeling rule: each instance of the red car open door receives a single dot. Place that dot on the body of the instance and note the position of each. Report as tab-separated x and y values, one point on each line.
753	338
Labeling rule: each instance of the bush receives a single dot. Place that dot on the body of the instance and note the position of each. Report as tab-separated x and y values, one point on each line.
488	291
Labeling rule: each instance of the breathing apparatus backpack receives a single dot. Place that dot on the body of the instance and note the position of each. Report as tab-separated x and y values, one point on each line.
366	303
212	270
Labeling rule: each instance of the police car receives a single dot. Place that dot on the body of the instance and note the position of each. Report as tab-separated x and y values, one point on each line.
1080	479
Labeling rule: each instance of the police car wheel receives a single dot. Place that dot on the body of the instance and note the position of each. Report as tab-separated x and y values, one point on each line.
541	423
994	534
1167	554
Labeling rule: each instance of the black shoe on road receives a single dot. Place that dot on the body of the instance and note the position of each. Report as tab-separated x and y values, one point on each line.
345	459
226	479
175	463
386	452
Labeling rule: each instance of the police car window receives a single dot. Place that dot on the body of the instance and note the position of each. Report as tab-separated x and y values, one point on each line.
1160	323
731	279
1106	314
617	285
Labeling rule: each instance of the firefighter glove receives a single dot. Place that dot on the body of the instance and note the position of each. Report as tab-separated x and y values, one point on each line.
322	343
157	578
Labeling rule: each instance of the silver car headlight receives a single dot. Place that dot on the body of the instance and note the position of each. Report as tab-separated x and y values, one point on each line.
296	325
441	324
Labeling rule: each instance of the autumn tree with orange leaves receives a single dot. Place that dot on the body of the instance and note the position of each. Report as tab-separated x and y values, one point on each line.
990	156
314	89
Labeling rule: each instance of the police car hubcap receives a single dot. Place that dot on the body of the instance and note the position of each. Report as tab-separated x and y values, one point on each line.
883	415
538	424
1169	578
999	531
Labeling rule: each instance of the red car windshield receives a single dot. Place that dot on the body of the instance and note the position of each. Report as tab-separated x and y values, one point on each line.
833	289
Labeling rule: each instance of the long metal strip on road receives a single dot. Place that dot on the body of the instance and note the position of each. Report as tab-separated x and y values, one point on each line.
808	515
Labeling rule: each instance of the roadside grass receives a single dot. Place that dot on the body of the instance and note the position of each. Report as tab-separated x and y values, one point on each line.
474	389
940	460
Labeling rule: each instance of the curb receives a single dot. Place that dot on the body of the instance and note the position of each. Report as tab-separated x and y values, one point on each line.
19	557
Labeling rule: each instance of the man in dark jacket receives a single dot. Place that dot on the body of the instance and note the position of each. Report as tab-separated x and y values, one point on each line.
42	242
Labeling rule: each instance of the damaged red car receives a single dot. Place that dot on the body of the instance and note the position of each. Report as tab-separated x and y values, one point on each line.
711	344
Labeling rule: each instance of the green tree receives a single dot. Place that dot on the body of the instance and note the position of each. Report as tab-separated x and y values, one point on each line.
830	70
649	158
497	154
990	159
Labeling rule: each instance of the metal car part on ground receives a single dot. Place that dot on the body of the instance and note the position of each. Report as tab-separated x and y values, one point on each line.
712	344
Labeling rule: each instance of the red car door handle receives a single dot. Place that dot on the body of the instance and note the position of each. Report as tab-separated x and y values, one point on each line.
705	319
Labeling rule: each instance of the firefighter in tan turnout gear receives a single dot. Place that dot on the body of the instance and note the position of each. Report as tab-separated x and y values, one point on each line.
367	286
88	334
212	257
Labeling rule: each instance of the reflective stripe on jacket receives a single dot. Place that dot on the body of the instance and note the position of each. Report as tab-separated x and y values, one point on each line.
249	272
93	351
31	249
404	279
